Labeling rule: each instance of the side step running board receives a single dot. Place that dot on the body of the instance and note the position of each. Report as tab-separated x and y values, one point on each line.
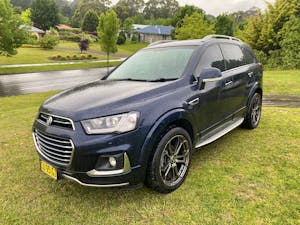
219	134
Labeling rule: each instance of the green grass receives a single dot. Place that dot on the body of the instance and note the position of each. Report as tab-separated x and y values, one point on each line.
126	49
282	82
36	55
246	177
55	67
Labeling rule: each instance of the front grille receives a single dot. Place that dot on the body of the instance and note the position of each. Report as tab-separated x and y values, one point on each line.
53	120
55	149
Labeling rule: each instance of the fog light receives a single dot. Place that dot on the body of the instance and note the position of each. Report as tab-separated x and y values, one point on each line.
112	161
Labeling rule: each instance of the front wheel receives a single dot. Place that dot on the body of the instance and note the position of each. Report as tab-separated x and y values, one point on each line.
253	115
171	161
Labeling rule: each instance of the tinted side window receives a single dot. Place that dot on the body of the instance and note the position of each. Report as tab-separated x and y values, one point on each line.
233	56
212	57
248	57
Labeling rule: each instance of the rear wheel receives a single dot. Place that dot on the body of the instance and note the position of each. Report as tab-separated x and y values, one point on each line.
253	115
170	164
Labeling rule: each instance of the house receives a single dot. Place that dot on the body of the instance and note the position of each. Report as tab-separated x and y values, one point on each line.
64	27
154	33
33	31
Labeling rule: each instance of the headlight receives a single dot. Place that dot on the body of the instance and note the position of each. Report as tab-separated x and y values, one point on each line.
111	124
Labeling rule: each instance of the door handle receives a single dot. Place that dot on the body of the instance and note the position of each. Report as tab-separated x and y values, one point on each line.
228	83
250	74
194	102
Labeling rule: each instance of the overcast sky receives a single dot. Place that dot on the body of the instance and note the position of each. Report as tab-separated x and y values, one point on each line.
216	7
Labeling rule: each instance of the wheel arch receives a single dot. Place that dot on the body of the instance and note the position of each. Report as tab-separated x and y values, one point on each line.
174	118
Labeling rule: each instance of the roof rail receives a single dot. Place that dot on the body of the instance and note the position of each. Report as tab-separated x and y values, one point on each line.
160	42
218	36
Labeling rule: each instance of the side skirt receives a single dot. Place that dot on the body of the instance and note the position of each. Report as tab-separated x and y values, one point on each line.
219	132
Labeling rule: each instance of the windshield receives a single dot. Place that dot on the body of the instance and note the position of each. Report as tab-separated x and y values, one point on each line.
159	64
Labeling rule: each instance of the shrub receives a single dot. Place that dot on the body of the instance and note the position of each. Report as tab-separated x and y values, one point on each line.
134	39
83	44
48	41
121	38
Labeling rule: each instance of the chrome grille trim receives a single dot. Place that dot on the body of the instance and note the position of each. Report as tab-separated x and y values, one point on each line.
55	149
58	121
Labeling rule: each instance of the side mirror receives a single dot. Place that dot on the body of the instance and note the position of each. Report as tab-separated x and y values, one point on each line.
208	75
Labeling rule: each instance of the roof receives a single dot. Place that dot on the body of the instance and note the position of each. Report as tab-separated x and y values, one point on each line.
196	42
156	29
64	27
139	26
36	30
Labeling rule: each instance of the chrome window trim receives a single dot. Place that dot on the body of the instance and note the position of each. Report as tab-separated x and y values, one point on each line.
61	117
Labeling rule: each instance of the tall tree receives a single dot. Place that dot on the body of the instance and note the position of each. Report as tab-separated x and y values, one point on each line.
108	27
128	8
183	11
99	6
22	3
90	21
290	43
44	13
11	34
160	8
193	27
25	17
224	25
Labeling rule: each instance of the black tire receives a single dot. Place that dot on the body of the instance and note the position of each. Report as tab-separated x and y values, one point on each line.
170	163
253	115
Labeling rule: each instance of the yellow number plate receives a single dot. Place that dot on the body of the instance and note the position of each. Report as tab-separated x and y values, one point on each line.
49	170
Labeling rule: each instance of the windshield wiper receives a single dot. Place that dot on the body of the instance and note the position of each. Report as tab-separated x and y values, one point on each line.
163	79
131	79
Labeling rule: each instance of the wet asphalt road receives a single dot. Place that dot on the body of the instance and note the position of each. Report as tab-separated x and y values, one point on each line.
19	84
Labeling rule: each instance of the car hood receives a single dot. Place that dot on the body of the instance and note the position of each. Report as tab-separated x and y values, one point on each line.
103	97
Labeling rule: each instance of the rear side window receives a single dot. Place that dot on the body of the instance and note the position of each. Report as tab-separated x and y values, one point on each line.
233	55
248	57
212	57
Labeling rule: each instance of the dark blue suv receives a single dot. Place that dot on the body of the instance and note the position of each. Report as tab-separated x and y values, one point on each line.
141	123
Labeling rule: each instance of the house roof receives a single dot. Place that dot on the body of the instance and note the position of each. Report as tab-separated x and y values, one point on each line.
36	30
64	27
139	26
156	29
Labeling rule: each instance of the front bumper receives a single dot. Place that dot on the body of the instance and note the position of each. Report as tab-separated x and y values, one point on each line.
86	152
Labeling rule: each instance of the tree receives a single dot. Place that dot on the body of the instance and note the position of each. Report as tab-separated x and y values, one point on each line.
178	17
108	27
128	25
90	21
44	13
160	8
128	8
121	38
25	17
22	3
194	27
99	6
11	33
224	25
290	43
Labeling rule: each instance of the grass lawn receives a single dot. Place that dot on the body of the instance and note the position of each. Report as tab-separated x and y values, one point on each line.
85	65
126	49
246	177
28	55
282	82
